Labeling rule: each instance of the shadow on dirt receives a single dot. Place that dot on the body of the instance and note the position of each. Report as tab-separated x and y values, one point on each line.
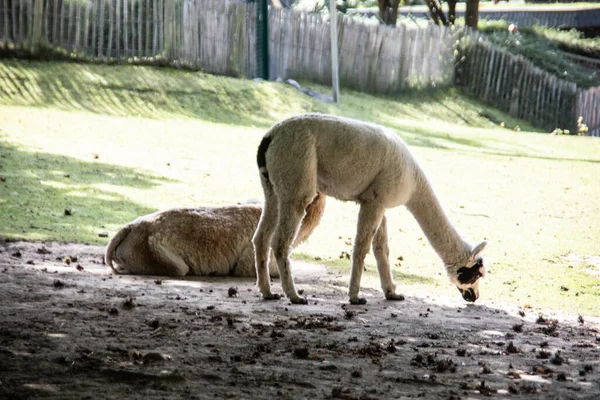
78	332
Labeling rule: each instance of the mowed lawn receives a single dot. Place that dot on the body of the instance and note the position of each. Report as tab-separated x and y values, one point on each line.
106	144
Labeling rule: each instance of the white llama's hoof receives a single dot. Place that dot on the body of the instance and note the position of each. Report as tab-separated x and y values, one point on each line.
358	301
298	300
394	296
272	296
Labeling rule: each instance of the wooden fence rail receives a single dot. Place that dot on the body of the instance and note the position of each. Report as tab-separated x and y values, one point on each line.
212	35
219	36
516	86
588	107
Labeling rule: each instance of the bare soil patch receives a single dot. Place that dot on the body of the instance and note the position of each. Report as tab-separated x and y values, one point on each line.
70	329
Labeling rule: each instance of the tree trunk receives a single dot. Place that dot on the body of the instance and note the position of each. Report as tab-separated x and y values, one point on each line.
435	10
452	11
472	13
388	11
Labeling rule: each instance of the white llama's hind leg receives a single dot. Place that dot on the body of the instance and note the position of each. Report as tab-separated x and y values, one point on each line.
291	213
369	219
381	250
262	239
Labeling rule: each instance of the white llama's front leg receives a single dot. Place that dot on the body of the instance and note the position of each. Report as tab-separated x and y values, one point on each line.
261	242
291	214
381	250
369	219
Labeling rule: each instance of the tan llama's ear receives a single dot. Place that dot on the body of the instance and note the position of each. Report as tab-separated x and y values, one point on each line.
479	248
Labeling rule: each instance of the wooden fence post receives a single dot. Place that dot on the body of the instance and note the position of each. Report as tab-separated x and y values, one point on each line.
335	81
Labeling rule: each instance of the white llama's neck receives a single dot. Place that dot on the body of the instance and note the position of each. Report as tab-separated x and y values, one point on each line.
428	212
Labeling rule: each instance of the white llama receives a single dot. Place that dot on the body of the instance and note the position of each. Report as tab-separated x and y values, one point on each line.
196	241
356	161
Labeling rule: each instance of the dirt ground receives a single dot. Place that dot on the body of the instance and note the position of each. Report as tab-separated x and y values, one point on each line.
76	331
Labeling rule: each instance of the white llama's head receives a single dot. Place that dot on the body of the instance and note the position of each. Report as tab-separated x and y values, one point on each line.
465	274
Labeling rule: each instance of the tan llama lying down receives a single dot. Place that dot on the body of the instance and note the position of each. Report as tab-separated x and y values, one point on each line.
356	161
197	241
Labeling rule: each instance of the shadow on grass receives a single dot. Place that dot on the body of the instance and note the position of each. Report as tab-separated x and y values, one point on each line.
150	92
46	195
344	265
154	92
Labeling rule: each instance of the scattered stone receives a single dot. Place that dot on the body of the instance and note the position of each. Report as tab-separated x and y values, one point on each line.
301	352
328	367
30	262
543	371
580	319
68	212
103	234
512	349
529	387
357	373
485	389
349	314
445	365
42	250
58	284
232	292
391	348
518	327
514	374
541	319
561	377
113	311
79	267
67	260
17	254
154	323
551	328
158	281
341	393
461	352
129	303
155	357
544	355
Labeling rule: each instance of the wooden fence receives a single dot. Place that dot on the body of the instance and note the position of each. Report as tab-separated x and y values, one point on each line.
219	36
588	107
372	57
212	35
516	86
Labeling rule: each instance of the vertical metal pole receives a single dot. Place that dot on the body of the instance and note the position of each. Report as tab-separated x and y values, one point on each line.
334	51
262	38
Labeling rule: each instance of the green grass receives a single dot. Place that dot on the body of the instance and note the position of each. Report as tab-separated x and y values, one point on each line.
110	143
547	48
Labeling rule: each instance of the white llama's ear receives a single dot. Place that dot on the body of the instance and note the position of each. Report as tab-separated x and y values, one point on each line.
478	248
